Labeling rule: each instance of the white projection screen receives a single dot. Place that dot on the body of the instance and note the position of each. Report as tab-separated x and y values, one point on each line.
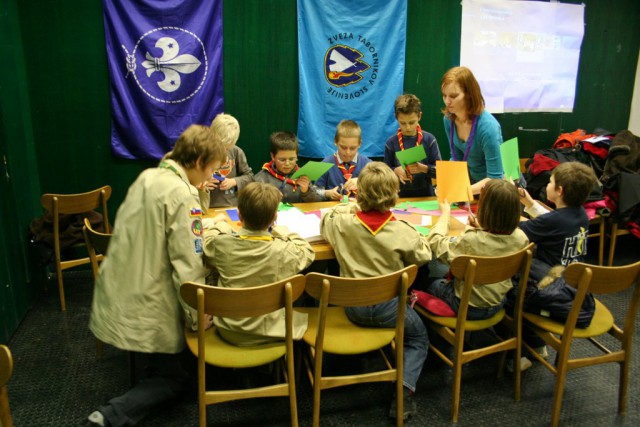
524	54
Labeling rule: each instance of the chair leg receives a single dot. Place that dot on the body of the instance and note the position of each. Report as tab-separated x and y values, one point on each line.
63	305
455	390
316	403
601	242
612	245
558	392
624	384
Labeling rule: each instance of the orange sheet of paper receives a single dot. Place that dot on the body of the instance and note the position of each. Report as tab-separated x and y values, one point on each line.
453	181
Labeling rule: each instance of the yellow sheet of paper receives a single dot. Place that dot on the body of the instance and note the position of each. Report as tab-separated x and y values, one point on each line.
453	181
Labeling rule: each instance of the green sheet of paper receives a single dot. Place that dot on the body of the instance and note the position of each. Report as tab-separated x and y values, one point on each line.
284	207
422	230
313	170
510	159
411	155
431	205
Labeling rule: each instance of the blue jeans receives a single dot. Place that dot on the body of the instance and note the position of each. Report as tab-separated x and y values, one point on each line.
444	290
166	380
416	340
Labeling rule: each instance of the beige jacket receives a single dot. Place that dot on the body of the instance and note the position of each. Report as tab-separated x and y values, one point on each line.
156	246
474	241
362	254
253	258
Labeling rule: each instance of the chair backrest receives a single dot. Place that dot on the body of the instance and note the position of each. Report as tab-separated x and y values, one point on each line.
97	244
6	370
243	302
351	292
481	270
603	280
78	203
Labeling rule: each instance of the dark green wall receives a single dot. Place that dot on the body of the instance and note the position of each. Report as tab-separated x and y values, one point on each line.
66	118
19	180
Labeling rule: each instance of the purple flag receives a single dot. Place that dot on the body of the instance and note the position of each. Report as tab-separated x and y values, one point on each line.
165	68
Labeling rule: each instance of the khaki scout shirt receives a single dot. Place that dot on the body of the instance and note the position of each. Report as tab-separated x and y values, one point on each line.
253	258
155	247
362	254
474	241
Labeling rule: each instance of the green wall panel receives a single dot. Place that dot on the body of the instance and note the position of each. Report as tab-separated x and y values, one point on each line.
19	181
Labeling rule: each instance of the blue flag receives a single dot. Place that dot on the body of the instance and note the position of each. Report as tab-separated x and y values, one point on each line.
165	68
351	66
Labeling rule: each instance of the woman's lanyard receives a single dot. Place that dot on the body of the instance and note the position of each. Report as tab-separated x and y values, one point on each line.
269	168
470	141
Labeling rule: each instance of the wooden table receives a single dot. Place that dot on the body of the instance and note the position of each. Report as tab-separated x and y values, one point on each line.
324	251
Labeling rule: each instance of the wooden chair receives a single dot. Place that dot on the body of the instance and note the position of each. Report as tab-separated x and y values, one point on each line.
598	280
6	370
210	348
330	331
73	204
476	271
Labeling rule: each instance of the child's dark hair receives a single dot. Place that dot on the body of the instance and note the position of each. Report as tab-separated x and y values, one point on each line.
499	207
577	181
283	141
197	142
258	205
408	104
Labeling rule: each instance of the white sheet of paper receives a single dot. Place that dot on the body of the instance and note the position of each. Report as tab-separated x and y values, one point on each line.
426	220
307	226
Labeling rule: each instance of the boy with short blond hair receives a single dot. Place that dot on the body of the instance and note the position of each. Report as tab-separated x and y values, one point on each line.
415	181
235	173
369	241
342	178
283	164
255	256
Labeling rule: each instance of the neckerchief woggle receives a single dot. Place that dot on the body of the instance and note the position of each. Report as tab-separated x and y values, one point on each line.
347	174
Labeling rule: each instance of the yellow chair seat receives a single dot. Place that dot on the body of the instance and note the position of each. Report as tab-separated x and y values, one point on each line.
471	325
342	336
220	353
601	323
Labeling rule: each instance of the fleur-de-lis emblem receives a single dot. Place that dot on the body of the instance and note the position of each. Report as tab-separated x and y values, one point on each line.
170	64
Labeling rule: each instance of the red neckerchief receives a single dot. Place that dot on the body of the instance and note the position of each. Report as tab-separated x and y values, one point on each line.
269	168
347	174
418	142
374	220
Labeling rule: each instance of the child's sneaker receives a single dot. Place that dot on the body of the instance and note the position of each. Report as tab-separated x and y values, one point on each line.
525	364
542	351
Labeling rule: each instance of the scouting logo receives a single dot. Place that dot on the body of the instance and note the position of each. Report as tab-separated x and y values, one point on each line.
169	64
343	65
